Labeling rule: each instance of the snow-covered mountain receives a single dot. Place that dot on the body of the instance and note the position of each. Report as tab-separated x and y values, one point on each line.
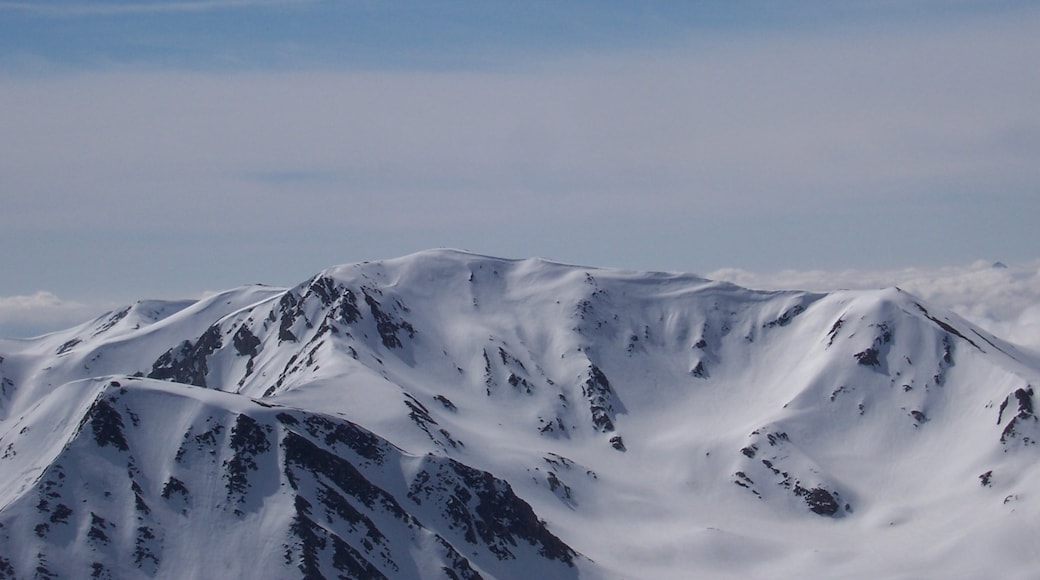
449	415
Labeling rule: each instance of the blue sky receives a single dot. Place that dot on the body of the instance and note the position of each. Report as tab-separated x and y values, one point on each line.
369	34
228	35
417	35
162	149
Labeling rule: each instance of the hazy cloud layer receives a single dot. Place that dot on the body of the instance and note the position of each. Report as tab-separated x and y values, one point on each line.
875	141
1003	300
875	145
42	312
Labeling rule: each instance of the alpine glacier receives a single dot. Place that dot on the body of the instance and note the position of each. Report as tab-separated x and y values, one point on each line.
451	415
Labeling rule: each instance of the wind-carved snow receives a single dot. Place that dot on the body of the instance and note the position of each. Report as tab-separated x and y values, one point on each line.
453	415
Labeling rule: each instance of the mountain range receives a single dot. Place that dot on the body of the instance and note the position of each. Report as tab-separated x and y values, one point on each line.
452	415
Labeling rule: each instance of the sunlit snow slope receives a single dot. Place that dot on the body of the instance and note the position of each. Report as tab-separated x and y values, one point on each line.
453	415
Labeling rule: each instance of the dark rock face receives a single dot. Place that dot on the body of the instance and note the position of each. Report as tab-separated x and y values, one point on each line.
876	354
446	403
600	396
302	454
485	509
946	326
188	363
330	304
338	302
324	288
348	308
783	468
986	479
821	501
107	425
335	433
172	486
833	332
1025	402
68	346
617	443
868	357
245	342
700	371
248	439
312	540
387	325
420	415
1024	399
350	509
112	320
290	307
786	318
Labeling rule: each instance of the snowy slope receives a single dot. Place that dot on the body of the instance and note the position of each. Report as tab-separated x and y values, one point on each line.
453	415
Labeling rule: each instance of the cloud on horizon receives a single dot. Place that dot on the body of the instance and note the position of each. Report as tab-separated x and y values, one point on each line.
43	312
1003	300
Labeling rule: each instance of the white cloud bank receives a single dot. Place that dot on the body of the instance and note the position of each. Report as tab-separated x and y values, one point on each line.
42	312
1003	300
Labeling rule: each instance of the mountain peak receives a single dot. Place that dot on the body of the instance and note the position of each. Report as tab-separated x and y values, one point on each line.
489	417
